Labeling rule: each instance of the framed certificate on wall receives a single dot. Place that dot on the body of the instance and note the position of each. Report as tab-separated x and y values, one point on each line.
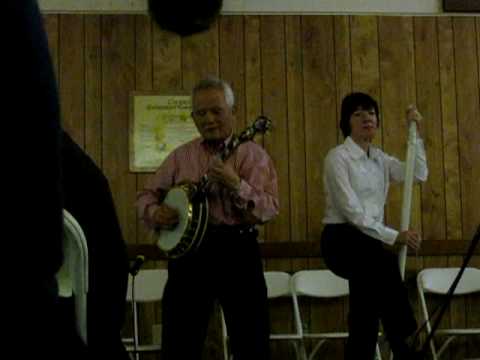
158	124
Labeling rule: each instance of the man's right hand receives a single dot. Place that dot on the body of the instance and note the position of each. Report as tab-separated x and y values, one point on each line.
411	238
165	217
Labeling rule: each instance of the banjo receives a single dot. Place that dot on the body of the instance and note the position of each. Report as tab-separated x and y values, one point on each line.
190	201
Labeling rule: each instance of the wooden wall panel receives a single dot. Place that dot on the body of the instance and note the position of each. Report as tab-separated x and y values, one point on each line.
93	88
167	60
296	70
428	100
143	53
71	75
320	113
253	68
118	80
296	129
51	27
274	97
448	97
468	114
232	64
199	57
343	64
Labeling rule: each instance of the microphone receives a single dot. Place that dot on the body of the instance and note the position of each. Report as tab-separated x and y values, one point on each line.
137	264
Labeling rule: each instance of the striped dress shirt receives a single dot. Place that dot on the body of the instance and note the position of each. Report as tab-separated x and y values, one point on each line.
257	194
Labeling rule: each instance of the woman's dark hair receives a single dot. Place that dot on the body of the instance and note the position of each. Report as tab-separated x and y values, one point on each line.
184	17
350	104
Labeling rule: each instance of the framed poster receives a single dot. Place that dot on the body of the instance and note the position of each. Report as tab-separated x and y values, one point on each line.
158	124
461	5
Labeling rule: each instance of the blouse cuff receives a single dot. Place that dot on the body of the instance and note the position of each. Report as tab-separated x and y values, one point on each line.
389	235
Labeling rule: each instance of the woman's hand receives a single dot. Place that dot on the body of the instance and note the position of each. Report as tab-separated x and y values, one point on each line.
413	114
411	238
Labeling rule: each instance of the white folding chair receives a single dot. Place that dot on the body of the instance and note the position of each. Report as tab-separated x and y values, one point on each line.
278	286
438	281
320	284
147	286
72	277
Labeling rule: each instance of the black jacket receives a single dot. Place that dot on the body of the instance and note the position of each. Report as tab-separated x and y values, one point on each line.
87	196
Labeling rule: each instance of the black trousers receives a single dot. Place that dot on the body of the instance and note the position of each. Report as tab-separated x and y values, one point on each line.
227	267
377	292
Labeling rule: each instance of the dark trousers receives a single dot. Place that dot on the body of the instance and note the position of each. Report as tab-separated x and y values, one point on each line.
377	292
227	267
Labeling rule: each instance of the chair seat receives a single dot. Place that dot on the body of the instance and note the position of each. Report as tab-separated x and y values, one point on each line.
458	331
330	335
285	337
144	348
439	280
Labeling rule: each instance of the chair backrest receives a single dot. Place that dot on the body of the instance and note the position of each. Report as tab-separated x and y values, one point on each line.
278	284
319	283
73	274
72	277
439	280
149	285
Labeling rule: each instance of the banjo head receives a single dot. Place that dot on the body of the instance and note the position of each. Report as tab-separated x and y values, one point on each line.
179	199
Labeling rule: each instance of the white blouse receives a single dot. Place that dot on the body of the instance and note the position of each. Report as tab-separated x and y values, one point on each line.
356	186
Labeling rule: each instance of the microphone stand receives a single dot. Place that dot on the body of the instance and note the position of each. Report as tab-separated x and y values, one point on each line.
134	270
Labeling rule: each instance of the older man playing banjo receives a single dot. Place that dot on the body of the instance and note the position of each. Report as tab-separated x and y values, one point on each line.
241	191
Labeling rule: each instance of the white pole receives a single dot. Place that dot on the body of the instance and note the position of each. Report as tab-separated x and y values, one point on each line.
407	190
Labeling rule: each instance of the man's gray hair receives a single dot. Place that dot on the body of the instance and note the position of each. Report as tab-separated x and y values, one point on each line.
212	82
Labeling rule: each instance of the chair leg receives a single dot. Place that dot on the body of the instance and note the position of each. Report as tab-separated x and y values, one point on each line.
432	347
378	354
316	348
135	330
300	351
445	344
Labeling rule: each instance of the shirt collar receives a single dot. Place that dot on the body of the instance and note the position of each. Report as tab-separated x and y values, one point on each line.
215	149
356	152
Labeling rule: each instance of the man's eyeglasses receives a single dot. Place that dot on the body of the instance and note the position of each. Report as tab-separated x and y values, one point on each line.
203	112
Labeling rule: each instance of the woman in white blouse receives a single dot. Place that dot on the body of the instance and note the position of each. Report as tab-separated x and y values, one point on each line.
356	244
